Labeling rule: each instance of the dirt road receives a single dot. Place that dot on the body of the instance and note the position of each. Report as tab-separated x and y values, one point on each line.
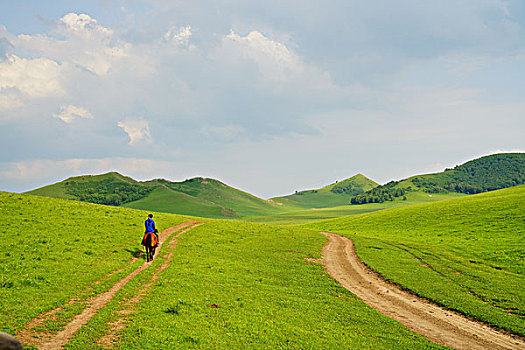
439	325
61	338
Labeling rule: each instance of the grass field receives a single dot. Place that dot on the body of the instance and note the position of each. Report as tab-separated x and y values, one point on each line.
54	250
268	294
235	285
311	215
466	254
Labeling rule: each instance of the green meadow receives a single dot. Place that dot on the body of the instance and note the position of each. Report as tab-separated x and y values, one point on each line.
466	254
55	250
236	284
267	294
304	216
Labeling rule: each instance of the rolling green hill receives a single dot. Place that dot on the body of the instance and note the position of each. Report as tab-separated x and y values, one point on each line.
211	198
54	250
199	197
487	173
111	189
333	195
466	254
233	201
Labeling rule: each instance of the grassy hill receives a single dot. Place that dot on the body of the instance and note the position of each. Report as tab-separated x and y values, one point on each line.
466	254
487	173
111	189
58	254
233	201
211	198
198	196
333	195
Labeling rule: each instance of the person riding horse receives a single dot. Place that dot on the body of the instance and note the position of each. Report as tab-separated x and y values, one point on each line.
150	226
151	238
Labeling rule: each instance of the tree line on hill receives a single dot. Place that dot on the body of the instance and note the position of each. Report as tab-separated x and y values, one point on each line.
488	173
106	192
481	175
379	194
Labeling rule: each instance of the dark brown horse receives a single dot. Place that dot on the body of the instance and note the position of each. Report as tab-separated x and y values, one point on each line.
150	242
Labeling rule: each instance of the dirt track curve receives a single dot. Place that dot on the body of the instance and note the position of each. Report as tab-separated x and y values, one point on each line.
62	338
439	325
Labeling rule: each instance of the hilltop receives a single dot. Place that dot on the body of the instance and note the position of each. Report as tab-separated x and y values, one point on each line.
335	194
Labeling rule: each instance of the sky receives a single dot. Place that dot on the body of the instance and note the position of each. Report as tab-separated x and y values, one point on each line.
267	96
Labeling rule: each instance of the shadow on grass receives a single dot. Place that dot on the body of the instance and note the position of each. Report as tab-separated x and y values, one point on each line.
137	253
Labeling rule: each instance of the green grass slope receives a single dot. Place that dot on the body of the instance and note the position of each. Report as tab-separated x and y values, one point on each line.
198	196
54	250
268	295
234	201
226	290
333	195
110	188
467	254
487	173
166	200
294	217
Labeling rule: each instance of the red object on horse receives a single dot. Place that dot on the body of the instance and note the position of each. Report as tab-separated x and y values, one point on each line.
150	242
154	241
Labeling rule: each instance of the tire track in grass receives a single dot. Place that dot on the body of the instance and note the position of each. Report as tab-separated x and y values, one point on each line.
109	339
31	335
439	325
44	341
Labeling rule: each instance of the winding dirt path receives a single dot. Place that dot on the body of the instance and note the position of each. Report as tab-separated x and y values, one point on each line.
109	339
439	325
61	338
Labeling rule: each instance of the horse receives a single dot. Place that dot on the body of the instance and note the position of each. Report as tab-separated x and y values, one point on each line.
150	242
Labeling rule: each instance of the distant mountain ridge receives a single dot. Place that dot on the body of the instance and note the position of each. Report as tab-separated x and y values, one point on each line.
207	197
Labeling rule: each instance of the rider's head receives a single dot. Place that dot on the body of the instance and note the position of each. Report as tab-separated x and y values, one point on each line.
150	215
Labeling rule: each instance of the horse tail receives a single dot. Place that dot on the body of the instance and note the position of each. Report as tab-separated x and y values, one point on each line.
148	241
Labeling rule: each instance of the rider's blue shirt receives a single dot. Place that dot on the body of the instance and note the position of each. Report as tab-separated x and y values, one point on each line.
150	225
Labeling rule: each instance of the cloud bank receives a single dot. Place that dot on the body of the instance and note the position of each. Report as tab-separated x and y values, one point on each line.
269	97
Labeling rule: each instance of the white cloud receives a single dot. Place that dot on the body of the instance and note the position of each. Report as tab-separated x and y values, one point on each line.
273	58
69	113
136	130
9	99
78	40
180	37
83	26
37	77
423	82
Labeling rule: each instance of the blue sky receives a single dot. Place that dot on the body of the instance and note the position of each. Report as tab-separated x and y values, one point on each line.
270	97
